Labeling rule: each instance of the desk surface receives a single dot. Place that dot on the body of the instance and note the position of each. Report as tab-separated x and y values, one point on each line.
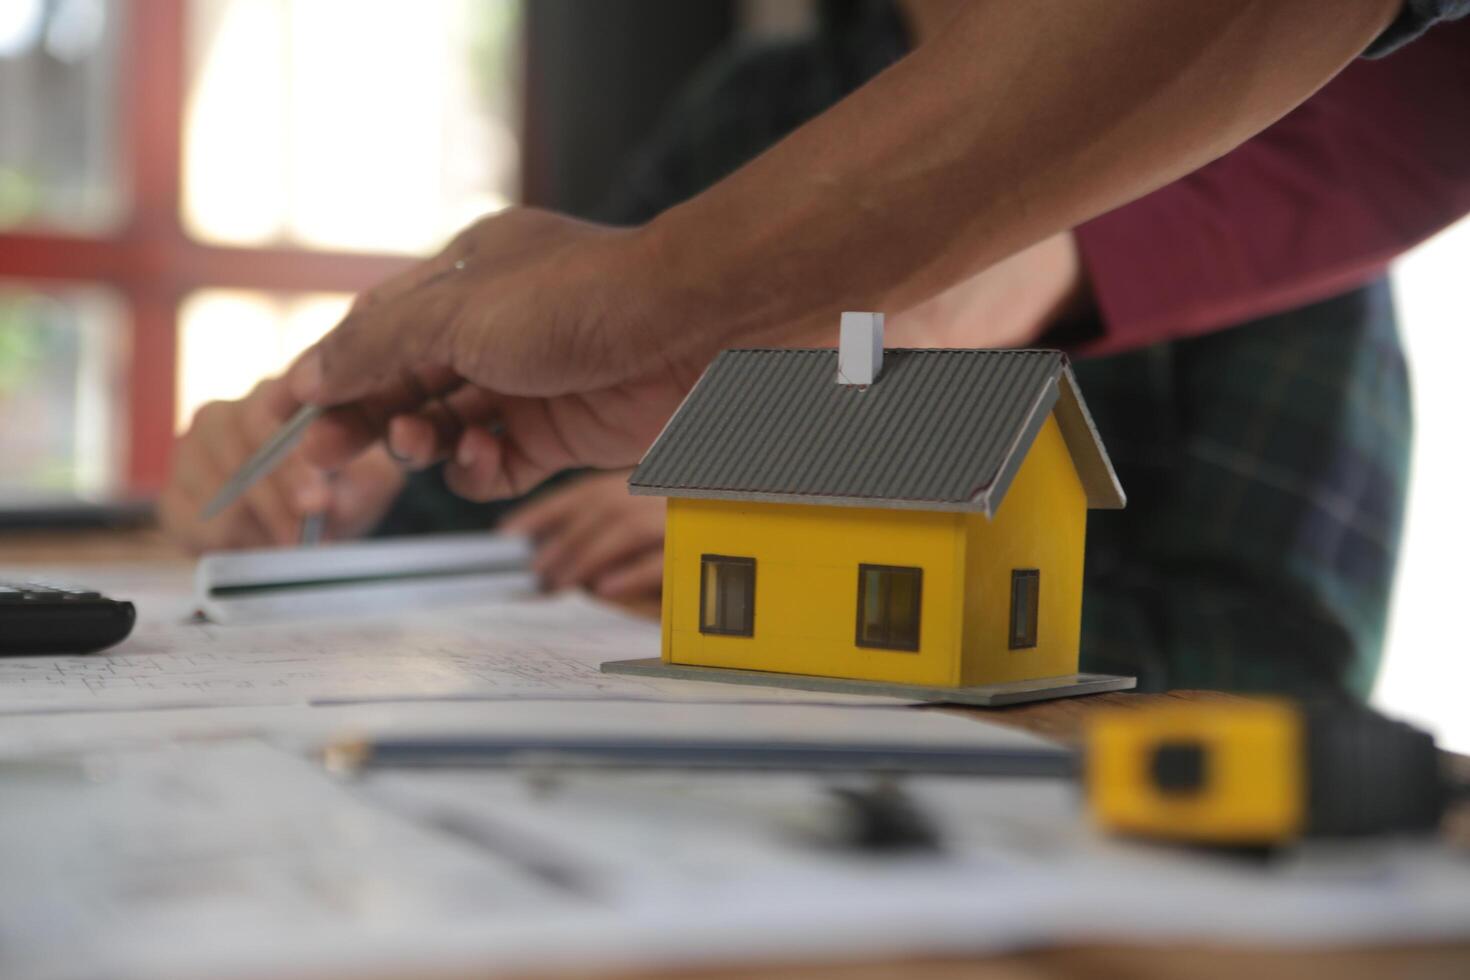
1056	719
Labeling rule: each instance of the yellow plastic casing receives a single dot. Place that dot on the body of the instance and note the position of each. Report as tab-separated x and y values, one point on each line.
1041	524
806	580
1253	785
806	567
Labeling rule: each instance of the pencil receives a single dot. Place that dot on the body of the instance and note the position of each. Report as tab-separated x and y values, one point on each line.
623	753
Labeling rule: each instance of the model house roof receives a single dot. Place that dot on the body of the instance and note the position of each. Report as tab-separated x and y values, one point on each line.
937	430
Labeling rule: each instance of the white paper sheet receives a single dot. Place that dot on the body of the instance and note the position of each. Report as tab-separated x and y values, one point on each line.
240	859
228	858
308	727
531	648
205	841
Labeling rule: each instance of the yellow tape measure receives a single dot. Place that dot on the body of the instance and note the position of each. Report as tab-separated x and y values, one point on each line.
1256	773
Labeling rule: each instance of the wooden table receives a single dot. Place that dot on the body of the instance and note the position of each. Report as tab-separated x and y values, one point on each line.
1061	720
82	547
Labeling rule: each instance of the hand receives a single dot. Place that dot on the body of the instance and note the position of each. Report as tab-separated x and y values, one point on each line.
225	434
594	534
519	351
1010	304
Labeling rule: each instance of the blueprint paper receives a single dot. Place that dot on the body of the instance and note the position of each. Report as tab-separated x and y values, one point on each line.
163	815
237	858
222	858
309	727
529	648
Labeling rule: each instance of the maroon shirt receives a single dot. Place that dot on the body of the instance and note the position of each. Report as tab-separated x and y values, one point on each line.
1319	203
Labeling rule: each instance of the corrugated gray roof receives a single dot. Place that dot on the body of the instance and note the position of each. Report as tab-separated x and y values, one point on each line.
939	429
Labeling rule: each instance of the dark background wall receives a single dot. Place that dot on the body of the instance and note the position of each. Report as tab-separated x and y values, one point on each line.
599	74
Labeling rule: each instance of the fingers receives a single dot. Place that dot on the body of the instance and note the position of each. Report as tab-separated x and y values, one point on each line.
367	352
547	511
641	577
491	467
589	529
314	494
611	545
234	434
243	530
433	431
178	511
205	458
269	404
413	441
344	432
222	436
270	499
282	497
362	494
524	450
181	500
556	550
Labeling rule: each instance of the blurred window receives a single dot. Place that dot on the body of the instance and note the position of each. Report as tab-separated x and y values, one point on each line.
191	191
339	124
63	389
230	339
58	124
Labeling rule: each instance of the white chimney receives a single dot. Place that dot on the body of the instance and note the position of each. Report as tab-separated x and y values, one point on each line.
860	348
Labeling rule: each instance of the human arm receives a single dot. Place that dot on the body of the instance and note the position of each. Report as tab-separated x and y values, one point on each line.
1315	205
580	340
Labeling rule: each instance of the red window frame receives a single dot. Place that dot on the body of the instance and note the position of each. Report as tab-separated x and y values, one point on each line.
150	260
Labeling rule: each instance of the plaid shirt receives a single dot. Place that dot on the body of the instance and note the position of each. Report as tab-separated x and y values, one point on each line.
1266	465
1416	17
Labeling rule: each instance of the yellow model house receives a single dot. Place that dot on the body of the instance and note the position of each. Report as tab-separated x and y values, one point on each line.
900	521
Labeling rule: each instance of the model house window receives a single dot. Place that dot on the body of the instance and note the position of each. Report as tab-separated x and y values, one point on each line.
727	595
1025	601
888	607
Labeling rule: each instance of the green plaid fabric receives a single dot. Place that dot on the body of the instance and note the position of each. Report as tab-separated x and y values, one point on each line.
1266	468
1265	465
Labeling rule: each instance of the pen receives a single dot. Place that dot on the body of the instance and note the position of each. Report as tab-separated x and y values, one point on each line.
312	526
354	755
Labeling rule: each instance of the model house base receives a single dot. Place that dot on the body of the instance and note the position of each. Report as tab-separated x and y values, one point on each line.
979	695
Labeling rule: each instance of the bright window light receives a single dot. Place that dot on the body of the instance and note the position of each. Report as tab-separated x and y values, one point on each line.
230	339
1425	672
343	125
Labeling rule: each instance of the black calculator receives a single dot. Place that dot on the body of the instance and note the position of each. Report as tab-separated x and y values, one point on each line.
36	618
